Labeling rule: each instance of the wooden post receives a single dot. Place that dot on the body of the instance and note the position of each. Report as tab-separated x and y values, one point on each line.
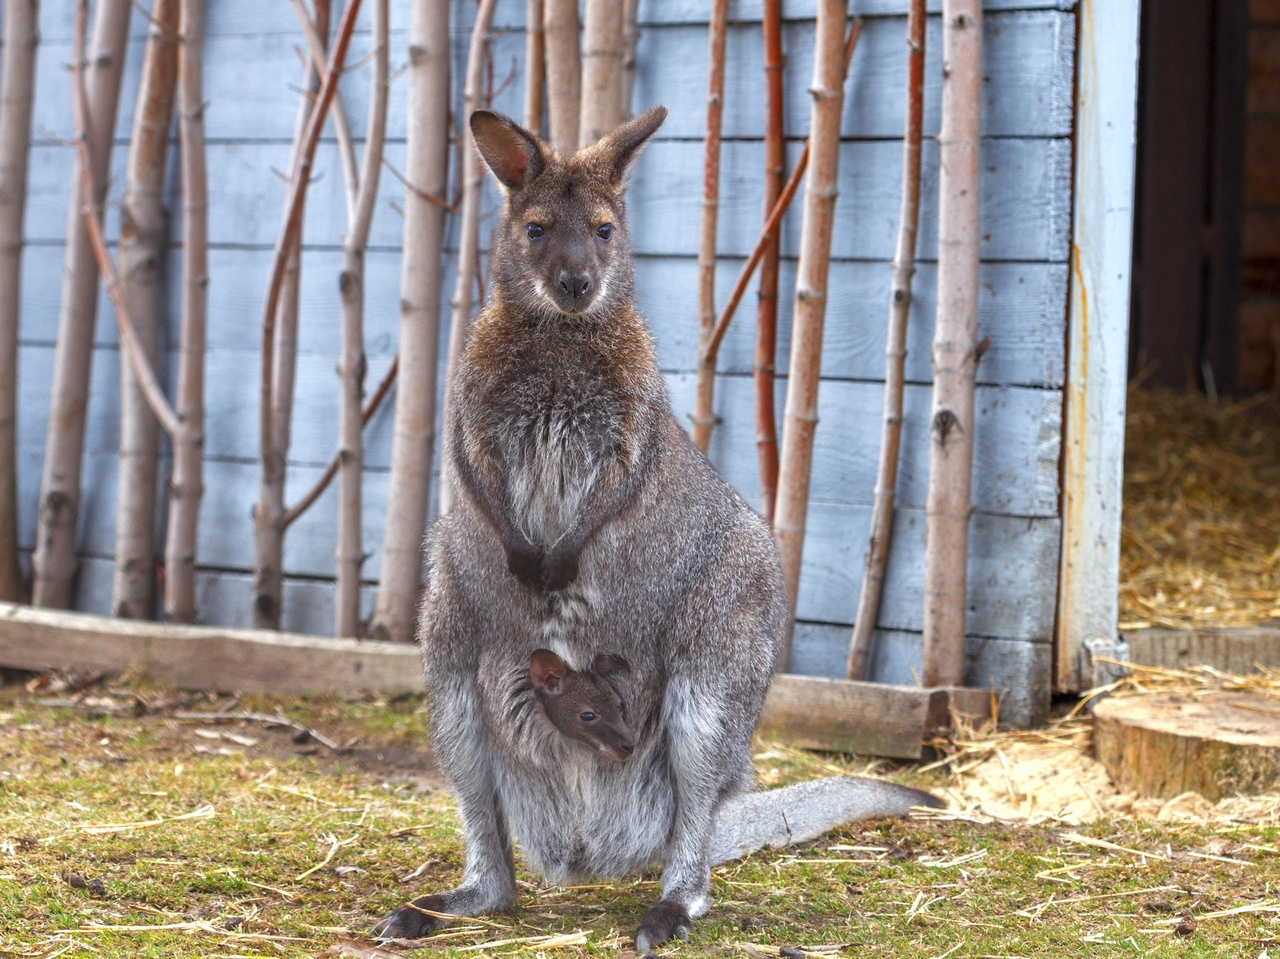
21	38
186	487
775	147
630	40
266	524
142	250
472	183
602	52
54	562
535	66
1102	224
904	267
351	364
801	412
412	441
704	415
564	75
955	346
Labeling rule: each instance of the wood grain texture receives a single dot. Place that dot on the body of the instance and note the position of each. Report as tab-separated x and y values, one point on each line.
1238	651
1165	744
201	657
837	715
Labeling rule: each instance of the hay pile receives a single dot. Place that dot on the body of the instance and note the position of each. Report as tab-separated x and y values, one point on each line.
1200	546
1050	775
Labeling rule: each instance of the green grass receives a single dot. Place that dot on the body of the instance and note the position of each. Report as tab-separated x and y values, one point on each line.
224	848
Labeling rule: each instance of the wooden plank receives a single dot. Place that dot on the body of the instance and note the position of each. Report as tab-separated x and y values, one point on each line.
239	17
1027	56
1026	212
202	657
1239	651
1010	560
1017	443
1095	398
851	717
1020	304
1019	671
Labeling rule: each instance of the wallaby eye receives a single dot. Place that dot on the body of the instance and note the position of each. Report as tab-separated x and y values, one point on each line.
604	231
534	230
587	717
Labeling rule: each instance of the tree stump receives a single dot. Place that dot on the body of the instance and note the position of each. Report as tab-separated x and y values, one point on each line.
1165	744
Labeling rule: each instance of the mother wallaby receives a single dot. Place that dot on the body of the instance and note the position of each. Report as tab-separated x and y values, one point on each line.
588	523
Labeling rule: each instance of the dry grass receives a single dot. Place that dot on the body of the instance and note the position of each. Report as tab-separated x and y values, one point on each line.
1200	546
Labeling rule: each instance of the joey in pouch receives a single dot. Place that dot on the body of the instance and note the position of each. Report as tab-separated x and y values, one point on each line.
586	522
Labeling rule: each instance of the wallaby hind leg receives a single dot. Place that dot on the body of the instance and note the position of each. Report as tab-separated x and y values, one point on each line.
489	878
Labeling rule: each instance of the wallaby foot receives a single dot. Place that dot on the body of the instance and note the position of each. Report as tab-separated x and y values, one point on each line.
666	919
412	920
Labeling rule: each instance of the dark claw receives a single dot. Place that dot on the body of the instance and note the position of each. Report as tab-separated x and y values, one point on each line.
665	920
409	921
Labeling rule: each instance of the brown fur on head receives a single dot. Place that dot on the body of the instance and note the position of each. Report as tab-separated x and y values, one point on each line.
562	247
584	704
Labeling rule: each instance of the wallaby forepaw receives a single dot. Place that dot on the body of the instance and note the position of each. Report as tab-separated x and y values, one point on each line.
412	920
665	920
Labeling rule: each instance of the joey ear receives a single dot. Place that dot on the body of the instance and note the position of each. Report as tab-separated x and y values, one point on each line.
511	152
607	664
547	670
622	146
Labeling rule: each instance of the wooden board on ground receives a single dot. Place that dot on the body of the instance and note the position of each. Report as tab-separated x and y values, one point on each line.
1238	651
1166	744
838	715
806	711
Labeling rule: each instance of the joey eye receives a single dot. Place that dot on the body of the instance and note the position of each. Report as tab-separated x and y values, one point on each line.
587	717
604	231
534	230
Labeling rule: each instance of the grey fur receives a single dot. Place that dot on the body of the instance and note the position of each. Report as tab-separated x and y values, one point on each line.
587	517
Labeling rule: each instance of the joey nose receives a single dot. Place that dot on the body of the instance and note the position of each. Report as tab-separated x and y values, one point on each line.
574	284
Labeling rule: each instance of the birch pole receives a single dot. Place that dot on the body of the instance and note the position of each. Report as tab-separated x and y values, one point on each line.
801	412
141	253
186	486
955	346
602	53
704	415
630	40
564	74
904	267
351	365
54	561
21	38
469	238
535	67
766	355
413	432
269	518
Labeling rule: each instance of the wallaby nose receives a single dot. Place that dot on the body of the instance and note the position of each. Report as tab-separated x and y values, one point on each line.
574	284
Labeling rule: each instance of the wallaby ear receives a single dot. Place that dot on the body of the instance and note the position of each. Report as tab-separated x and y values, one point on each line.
622	146
511	152
606	664
547	670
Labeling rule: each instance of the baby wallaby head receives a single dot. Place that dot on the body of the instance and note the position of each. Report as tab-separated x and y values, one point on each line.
562	247
583	704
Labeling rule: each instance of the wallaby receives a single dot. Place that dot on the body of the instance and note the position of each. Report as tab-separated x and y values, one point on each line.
584	704
585	512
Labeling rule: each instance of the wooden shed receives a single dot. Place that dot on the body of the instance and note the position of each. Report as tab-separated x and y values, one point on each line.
1058	148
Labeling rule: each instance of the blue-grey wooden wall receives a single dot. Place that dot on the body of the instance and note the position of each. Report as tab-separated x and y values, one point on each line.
251	73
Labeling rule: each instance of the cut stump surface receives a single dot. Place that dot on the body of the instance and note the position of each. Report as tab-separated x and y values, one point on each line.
1166	744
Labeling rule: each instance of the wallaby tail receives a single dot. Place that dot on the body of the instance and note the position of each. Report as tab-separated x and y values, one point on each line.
779	817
